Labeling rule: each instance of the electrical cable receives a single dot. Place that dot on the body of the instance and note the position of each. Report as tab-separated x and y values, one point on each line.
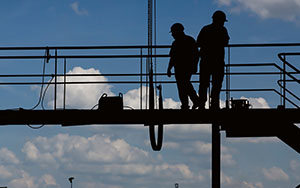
42	92
131	108
94	106
43	97
32	127
43	79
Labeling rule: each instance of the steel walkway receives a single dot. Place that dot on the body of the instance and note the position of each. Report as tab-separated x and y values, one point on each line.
236	123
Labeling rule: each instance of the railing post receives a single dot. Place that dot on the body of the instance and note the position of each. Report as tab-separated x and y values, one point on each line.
141	78
65	80
284	81
55	79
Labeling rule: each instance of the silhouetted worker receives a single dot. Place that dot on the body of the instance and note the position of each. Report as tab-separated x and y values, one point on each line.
184	57
212	39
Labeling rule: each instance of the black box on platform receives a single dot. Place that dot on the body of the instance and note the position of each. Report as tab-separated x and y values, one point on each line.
111	103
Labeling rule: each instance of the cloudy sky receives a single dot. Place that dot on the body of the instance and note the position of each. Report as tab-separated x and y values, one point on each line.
121	156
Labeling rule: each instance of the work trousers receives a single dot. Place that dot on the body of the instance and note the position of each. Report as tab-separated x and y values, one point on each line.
185	89
215	70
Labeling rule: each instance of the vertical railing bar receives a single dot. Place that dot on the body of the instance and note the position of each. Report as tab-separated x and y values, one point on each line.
284	81
65	79
281	90
55	79
147	79
141	78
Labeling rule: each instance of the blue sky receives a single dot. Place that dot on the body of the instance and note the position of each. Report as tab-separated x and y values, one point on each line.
121	156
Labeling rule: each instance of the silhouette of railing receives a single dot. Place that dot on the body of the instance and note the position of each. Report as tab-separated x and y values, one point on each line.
283	72
282	57
142	75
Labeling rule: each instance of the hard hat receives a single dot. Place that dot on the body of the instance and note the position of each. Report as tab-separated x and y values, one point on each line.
219	15
177	27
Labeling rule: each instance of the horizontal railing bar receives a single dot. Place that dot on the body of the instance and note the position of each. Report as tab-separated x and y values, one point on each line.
127	75
138	46
251	64
92	82
247	89
265	45
83	47
289	53
291	80
81	56
113	56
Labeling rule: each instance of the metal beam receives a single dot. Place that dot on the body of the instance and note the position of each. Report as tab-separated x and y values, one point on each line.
229	119
216	156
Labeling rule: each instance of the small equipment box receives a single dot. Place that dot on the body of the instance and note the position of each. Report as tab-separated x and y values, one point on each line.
111	103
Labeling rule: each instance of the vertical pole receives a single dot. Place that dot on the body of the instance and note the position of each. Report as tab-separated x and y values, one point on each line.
216	156
151	87
284	81
65	79
55	80
281	90
141	79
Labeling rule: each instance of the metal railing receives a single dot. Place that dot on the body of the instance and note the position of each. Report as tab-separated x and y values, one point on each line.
139	55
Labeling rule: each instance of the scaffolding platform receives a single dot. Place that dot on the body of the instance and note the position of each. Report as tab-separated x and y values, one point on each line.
270	118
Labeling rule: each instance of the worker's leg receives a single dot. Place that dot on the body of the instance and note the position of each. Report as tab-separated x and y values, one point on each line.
204	83
217	80
182	91
190	89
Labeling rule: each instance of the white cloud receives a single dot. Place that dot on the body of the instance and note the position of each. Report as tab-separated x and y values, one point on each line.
254	140
47	180
187	130
133	98
227	180
75	7
80	95
233	183
257	102
295	167
170	170
63	147
227	160
171	145
202	147
26	181
275	174
170	103
32	153
252	185
87	155
265	9
8	156
4	172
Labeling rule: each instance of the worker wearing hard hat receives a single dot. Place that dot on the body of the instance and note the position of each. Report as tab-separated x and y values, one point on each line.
184	58
212	39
